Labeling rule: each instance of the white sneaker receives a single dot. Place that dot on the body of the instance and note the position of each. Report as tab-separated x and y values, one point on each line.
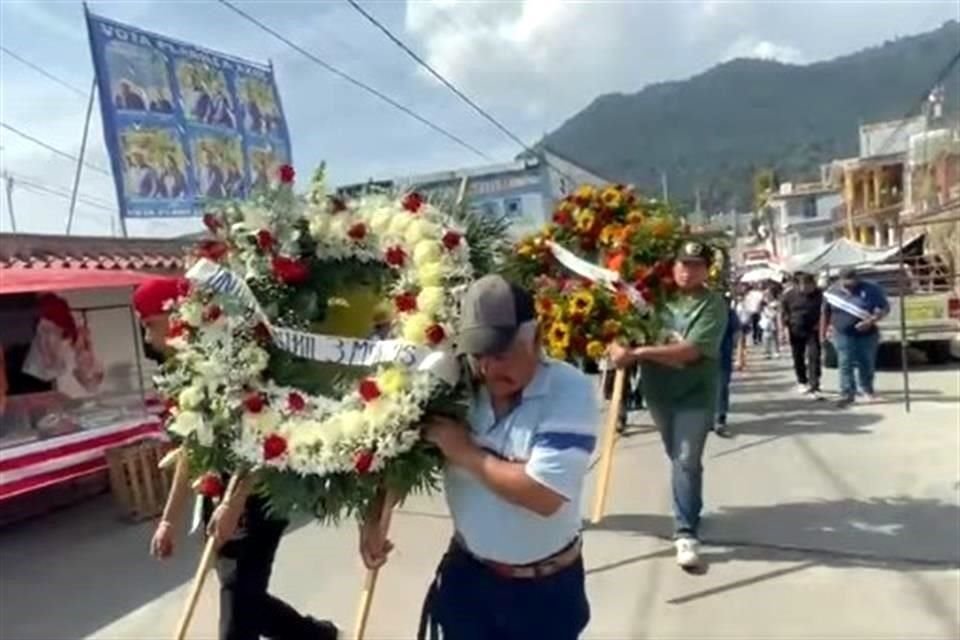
688	552
803	389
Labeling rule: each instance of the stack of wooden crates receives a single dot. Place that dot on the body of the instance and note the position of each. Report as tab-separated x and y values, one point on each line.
138	484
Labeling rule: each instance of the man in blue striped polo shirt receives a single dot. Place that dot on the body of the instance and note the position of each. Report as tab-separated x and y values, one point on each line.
513	478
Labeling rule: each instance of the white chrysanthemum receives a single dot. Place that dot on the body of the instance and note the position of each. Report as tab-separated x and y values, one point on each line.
420	230
430	300
319	226
262	422
415	328
187	423
399	224
380	220
426	252
256	217
430	274
191	397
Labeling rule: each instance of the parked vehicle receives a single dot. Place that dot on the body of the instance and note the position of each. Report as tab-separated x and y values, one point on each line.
931	303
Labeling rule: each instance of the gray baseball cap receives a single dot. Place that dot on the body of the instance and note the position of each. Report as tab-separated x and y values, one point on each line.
491	312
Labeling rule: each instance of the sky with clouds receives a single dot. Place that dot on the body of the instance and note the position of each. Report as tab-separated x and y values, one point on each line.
532	63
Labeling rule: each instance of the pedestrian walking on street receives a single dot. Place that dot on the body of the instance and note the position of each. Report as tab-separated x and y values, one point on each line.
801	308
680	384
514	474
727	348
770	323
753	304
853	308
247	538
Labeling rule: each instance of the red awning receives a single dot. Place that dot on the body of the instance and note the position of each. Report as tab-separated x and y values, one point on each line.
18	280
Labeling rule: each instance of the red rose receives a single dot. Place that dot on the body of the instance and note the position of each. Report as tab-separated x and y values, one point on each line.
177	328
436	334
413	202
363	461
396	256
451	240
405	302
290	270
261	333
254	402
337	205
357	232
369	390
209	485
561	218
266	241
212	250
212	222
274	446
212	313
295	402
287	174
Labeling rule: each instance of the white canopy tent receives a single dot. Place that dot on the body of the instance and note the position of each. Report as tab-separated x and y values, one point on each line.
845	253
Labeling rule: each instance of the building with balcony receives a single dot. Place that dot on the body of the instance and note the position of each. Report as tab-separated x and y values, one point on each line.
872	190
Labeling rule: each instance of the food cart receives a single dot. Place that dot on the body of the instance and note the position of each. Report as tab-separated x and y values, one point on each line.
55	429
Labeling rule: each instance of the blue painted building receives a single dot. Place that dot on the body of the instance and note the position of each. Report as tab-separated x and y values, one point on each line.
524	190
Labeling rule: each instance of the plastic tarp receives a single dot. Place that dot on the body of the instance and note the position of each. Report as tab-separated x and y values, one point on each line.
844	253
20	280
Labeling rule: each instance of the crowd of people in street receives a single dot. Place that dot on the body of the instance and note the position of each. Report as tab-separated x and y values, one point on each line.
515	466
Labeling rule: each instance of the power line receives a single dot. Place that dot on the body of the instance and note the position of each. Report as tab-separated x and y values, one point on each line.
30	180
29	185
53	149
43	72
357	83
449	85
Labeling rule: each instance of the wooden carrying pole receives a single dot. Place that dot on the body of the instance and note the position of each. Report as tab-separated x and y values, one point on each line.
370	582
206	561
609	440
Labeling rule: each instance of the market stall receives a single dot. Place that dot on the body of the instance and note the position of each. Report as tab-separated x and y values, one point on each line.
75	378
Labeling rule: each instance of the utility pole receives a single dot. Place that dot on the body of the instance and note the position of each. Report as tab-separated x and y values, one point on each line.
83	151
664	186
8	185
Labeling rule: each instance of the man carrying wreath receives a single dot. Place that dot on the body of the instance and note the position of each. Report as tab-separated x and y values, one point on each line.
247	537
513	478
681	380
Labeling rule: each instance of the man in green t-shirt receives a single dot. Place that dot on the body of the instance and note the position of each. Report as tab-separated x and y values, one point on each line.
680	381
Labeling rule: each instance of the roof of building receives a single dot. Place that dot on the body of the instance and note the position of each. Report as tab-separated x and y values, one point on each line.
36	251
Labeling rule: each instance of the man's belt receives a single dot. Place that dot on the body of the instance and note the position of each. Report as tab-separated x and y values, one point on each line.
549	566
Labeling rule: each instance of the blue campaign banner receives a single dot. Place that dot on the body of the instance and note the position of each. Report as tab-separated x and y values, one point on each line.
184	126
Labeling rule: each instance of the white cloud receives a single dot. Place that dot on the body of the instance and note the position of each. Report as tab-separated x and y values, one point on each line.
764	50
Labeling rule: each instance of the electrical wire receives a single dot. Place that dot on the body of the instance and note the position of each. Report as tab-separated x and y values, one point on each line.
60	193
36	182
453	88
357	83
44	72
53	149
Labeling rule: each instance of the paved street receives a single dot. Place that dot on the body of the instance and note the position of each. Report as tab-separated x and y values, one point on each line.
819	524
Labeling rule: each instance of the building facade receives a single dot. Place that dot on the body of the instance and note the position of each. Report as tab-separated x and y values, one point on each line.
525	190
801	218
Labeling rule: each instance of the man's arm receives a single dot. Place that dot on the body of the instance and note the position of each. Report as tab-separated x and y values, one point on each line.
510	481
179	492
677	354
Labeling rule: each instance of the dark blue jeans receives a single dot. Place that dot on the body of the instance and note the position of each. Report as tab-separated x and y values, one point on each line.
684	433
856	352
468	601
723	393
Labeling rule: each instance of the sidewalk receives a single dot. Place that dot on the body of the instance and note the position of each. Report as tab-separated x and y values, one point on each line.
819	524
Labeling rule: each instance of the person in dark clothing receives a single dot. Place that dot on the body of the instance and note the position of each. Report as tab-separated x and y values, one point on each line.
247	537
801	308
853	308
727	348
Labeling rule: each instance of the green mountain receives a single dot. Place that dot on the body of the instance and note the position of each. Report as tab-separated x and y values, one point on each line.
713	131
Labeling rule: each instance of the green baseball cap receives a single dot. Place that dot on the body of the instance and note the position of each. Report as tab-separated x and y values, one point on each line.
491	312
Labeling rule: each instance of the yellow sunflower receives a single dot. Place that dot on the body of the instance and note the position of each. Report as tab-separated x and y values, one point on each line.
583	220
581	302
610	233
595	349
611	198
635	216
610	328
558	337
586	191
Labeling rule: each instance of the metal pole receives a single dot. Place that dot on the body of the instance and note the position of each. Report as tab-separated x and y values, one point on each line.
138	353
83	151
904	365
664	186
8	180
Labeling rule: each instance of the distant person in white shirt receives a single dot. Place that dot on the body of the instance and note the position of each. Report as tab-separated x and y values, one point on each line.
753	304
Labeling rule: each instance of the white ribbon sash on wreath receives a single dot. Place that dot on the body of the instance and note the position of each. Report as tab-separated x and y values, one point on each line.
595	273
323	348
845	302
